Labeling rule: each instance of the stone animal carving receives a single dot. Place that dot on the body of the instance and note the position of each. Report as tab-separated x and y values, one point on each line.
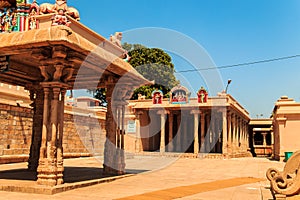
60	5
73	12
286	182
116	39
46	8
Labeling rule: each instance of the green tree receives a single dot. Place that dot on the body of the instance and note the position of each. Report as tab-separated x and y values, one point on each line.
153	64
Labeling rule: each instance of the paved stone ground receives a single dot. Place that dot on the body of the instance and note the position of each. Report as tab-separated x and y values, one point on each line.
156	175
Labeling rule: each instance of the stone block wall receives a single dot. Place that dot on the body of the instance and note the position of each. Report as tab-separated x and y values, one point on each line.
83	135
15	130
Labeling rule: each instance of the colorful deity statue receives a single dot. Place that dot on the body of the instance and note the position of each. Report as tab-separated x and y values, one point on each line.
157	96
33	12
8	21
60	19
179	95
22	15
202	95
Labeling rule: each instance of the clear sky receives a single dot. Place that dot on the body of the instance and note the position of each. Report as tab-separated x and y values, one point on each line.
230	31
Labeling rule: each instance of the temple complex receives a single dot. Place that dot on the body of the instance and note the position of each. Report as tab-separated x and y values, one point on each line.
45	51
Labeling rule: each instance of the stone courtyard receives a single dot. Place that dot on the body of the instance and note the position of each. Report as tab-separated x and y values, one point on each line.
155	177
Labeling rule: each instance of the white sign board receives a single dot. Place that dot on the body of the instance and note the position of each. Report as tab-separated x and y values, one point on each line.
131	127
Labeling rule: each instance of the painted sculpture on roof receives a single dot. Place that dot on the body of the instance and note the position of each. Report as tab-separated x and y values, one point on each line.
179	95
157	96
202	95
21	15
33	12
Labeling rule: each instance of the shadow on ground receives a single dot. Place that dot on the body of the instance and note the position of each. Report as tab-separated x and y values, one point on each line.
71	174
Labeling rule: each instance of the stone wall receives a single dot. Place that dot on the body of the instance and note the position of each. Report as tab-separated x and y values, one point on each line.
84	135
15	129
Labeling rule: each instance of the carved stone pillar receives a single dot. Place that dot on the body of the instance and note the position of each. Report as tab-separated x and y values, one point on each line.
170	144
238	136
202	122
208	135
229	130
50	169
234	130
37	98
178	134
111	126
56	70
138	132
119	158
185	137
162	114
196	128
224	132
60	158
114	154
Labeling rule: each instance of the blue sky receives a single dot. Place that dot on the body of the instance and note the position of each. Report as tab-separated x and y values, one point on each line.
230	31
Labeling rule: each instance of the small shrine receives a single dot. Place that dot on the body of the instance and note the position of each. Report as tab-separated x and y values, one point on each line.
202	95
157	96
179	95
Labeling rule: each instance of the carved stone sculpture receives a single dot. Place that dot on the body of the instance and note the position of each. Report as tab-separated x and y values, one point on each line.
60	5
116	39
287	182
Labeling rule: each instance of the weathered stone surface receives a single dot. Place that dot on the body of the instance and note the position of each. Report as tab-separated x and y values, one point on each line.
287	182
82	135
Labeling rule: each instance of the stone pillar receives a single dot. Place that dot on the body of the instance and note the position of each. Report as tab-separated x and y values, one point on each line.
109	166
119	159
213	132
170	144
233	144
50	169
178	134
162	114
238	125
243	140
185	138
138	132
229	130
224	132
114	155
208	135
272	143
56	71
60	157
196	128
37	98
202	122
264	139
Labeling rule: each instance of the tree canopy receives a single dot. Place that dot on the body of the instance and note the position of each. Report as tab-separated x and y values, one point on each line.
154	64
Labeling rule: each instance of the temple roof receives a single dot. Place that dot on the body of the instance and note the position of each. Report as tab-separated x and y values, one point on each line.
91	62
